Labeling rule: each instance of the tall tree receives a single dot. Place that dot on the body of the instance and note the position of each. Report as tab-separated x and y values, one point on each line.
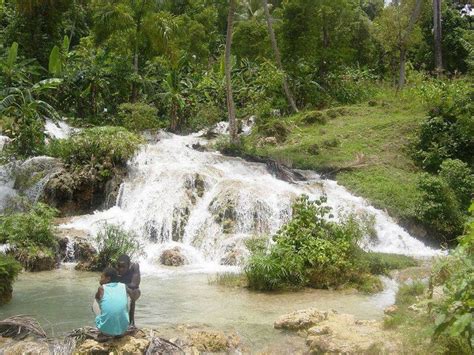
437	33
404	38
136	25
228	74
276	52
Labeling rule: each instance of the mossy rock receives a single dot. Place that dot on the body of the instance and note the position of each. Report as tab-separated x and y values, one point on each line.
275	128
36	258
9	270
313	117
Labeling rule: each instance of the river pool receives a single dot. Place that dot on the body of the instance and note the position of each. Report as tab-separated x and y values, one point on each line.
60	300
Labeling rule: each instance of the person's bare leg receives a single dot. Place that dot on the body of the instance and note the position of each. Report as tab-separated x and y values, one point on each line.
132	313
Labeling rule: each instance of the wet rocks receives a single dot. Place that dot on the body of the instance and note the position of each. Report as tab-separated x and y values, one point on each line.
302	319
29	345
35	258
213	341
173	257
330	332
146	341
126	345
83	190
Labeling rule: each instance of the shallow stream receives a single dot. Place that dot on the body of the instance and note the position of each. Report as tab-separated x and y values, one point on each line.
60	300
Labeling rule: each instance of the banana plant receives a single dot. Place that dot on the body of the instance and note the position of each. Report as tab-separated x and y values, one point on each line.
28	110
16	71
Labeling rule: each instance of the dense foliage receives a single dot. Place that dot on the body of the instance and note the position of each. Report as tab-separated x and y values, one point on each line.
9	270
113	241
100	148
29	229
455	314
313	250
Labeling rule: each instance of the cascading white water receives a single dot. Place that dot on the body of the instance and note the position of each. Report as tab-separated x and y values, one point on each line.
208	204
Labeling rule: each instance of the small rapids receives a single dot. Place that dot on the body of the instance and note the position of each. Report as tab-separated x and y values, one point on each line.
208	204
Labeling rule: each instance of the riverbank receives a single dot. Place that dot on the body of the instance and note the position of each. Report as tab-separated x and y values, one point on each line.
364	147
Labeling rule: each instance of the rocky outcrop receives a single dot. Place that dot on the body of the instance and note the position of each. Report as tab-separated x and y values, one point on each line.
147	341
82	190
35	258
302	319
74	245
173	257
330	332
30	345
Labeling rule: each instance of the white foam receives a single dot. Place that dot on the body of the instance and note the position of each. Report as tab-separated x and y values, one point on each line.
208	205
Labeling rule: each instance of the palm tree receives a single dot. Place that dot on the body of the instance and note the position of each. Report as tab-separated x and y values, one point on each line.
276	52
228	74
145	28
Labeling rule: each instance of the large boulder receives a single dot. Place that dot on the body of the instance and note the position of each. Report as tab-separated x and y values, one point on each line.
35	258
82	190
173	257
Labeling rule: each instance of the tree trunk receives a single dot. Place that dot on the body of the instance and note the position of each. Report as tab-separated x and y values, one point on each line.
134	83
276	52
404	40
401	77
437	36
228	74
174	117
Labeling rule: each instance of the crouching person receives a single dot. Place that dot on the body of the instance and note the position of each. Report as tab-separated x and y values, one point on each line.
111	307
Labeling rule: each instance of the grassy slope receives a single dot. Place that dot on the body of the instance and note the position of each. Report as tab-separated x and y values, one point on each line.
373	138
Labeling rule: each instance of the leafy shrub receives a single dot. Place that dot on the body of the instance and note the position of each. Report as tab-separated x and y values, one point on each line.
310	250
137	116
460	179
113	241
100	147
9	270
383	263
438	206
351	85
408	292
455	313
274	128
449	130
29	229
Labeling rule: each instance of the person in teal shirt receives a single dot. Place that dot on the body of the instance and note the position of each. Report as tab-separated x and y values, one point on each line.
112	299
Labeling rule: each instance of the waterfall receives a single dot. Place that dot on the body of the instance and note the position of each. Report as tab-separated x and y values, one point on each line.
208	204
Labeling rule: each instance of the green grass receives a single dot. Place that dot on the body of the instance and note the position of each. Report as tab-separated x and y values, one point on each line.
363	146
228	279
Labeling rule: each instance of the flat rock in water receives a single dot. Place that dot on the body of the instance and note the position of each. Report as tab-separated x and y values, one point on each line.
330	332
302	319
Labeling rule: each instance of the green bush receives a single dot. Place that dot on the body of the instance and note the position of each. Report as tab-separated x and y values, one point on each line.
383	263
460	179
310	250
438	206
444	199
9	270
274	128
449	130
29	229
100	147
455	313
351	85
138	116
113	241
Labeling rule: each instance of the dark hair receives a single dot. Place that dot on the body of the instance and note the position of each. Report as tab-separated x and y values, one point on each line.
112	273
124	258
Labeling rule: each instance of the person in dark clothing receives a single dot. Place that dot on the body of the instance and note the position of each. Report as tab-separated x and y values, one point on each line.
129	274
